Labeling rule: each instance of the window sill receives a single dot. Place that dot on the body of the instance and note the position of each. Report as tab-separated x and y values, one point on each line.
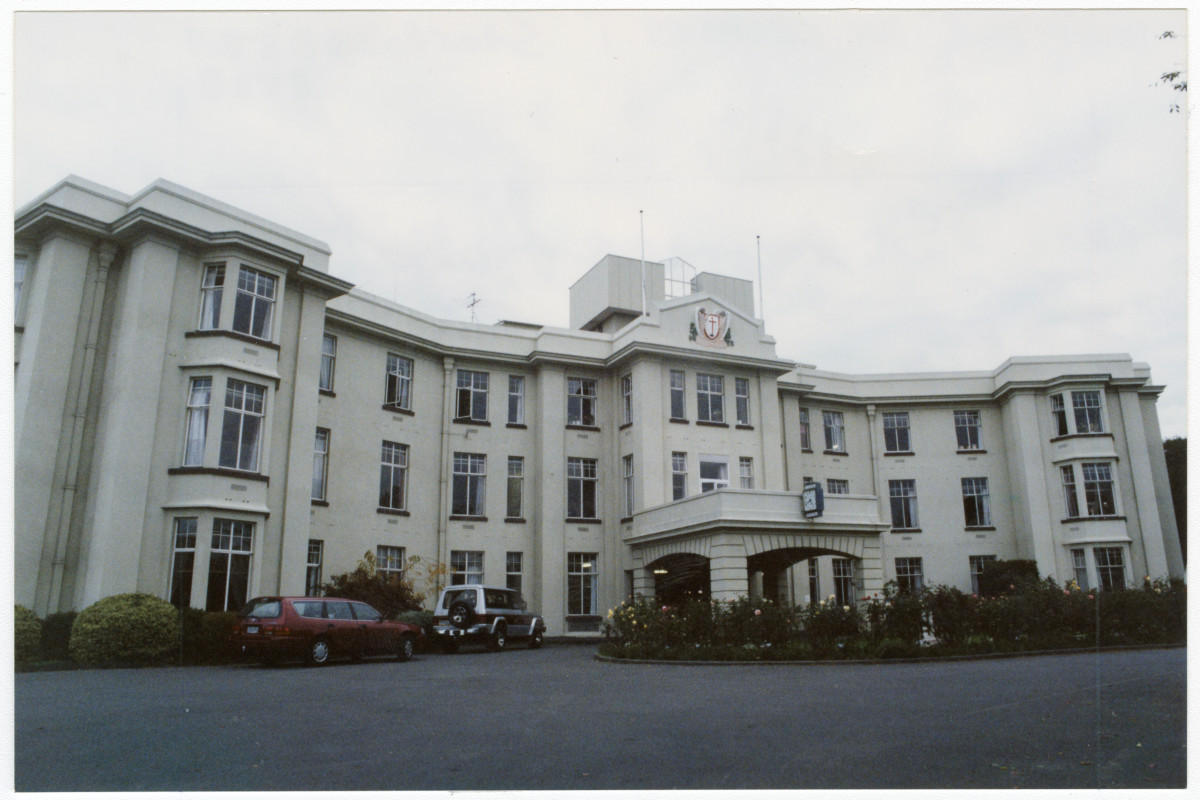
326	392
980	528
906	530
398	410
971	452
395	512
582	427
241	337
626	519
469	421
224	472
1097	518
321	503
805	449
520	520
520	426
584	520
745	427
626	425
835	452
1100	435
678	421
899	453
708	424
467	518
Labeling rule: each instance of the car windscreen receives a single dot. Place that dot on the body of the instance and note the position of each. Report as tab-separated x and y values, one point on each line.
262	607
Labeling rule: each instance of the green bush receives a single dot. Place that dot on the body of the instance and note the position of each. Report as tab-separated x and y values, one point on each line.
421	617
27	631
389	594
1001	577
125	629
56	635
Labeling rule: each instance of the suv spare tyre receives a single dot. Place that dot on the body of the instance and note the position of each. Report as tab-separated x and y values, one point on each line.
462	614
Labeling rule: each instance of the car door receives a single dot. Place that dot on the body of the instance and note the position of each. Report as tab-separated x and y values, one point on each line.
344	634
377	637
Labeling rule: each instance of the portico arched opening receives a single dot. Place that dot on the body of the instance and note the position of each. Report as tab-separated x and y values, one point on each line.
791	575
680	576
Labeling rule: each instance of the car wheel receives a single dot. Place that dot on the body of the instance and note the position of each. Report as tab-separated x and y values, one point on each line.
407	647
461	614
535	641
499	639
318	652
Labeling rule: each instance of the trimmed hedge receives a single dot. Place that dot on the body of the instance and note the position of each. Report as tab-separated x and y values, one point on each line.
56	635
939	621
127	630
27	635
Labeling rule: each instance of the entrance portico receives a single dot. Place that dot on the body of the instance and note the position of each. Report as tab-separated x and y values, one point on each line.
750	539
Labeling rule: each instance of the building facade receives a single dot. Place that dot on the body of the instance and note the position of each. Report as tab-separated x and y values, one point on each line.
205	413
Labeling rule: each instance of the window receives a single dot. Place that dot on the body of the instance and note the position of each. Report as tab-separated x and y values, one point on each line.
909	574
581	402
320	463
967	428
714	473
843	581
1098	490
512	571
472	396
466	566
977	563
710	398
805	436
242	426
581	583
389	562
837	486
199	396
469	485
398	388
1059	412
1068	483
741	394
977	506
328	355
312	574
581	488
627	400
229	565
895	432
516	486
1110	568
678	476
628	483
211	286
254	303
1087	412
678	395
814	581
516	400
1079	565
393	475
835	431
183	560
904	503
746	472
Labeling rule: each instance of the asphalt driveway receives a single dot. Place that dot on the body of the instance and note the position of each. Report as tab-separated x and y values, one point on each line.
557	719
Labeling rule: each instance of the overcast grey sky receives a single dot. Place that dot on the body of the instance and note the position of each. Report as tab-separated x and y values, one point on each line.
934	190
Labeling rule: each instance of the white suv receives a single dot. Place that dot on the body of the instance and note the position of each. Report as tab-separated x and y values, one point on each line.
495	616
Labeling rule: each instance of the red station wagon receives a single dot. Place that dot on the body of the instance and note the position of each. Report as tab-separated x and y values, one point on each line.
317	629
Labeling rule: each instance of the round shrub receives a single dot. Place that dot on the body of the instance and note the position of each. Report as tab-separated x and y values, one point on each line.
28	635
125	629
56	635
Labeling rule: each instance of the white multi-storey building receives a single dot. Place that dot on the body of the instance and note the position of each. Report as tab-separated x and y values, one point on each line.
205	413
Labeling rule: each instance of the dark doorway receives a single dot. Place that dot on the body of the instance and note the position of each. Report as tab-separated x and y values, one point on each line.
680	577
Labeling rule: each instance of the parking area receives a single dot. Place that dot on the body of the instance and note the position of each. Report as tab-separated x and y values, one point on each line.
557	719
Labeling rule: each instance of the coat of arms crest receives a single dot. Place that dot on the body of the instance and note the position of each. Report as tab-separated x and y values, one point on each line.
711	326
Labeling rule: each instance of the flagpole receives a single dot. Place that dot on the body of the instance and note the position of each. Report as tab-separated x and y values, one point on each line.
642	227
758	245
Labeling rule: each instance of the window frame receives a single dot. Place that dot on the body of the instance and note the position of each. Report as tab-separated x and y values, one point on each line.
677	383
627	399
1099	492
710	398
741	398
745	472
902	496
897	432
471	389
239	532
397	383
628	485
583	478
1070	495
258	300
582	402
583	575
246	455
834	423
328	362
1110	576
320	477
968	428
468	479
719	482
977	504
182	572
516	399
843	584
515	488
1087	418
196	414
679	487
390	561
836	486
975	565
513	577
212	290
313	566
393	476
466	567
805	431
910	573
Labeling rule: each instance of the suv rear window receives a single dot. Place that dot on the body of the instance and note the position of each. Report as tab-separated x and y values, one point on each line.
498	598
262	607
462	594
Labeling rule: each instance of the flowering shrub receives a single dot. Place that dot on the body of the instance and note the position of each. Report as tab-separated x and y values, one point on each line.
940	620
